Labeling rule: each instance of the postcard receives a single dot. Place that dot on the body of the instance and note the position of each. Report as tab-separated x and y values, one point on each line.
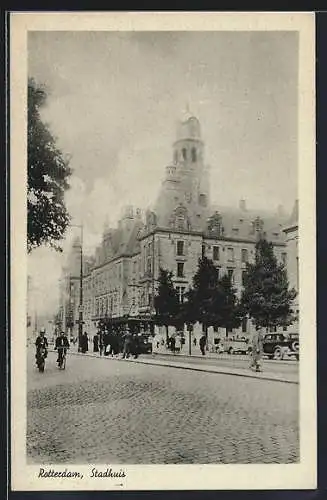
162	179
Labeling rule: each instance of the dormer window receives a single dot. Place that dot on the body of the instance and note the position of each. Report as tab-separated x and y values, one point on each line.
215	224
257	225
184	154
193	152
203	200
179	219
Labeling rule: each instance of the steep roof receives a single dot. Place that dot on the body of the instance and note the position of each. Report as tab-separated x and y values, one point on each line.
239	223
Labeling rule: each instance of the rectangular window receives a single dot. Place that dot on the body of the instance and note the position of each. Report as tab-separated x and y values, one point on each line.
230	274
180	247
244	325
230	254
284	258
180	269
180	291
243	277
215	253
245	255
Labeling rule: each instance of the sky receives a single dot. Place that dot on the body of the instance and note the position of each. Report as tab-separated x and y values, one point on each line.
114	102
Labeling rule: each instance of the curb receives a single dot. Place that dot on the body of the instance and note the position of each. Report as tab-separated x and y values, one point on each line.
214	370
197	356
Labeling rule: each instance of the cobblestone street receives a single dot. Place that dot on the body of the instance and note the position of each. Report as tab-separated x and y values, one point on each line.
114	411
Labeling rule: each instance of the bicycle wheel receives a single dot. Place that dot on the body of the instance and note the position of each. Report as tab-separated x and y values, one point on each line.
63	364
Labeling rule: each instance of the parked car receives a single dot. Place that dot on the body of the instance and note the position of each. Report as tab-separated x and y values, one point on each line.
294	348
218	346
236	346
277	345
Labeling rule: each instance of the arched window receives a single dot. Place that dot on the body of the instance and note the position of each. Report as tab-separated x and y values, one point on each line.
193	155
184	153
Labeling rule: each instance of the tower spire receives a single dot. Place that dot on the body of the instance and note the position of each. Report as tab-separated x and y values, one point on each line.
187	113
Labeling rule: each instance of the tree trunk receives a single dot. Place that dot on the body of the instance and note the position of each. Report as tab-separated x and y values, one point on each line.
167	336
205	331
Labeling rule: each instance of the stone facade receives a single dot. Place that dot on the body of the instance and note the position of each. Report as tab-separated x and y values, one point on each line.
120	280
291	230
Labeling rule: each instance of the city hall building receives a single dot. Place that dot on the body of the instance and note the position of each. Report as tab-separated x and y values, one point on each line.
121	278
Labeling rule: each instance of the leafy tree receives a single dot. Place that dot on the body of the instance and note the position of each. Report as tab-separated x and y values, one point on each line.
203	297
266	296
166	301
228	310
48	173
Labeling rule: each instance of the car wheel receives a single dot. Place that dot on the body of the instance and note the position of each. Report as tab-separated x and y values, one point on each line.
278	353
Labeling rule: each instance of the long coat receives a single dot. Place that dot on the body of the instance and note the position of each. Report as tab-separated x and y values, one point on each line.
84	343
96	343
257	346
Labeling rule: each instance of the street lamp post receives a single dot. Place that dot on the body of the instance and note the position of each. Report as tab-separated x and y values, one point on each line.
80	307
80	318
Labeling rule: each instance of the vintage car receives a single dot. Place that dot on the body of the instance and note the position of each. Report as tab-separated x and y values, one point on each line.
277	345
236	346
218	346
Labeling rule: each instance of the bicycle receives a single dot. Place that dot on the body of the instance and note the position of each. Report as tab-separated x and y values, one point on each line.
40	359
62	358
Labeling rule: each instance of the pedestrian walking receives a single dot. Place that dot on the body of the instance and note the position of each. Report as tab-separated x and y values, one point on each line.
135	346
84	343
101	343
257	351
127	343
173	344
202	344
96	343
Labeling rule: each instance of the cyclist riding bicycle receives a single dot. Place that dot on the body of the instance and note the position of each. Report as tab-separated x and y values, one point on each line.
62	344
41	342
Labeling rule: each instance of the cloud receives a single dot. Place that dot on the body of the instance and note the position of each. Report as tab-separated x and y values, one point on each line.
113	105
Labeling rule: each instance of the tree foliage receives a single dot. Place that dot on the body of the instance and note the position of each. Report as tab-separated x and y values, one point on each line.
228	309
166	301
202	297
212	301
266	296
48	173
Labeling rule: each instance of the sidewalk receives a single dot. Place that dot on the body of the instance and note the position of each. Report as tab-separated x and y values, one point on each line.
217	356
174	363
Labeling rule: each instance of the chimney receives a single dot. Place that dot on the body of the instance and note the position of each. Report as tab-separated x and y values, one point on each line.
242	205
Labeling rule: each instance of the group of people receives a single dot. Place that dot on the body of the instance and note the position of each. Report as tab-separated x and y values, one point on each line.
175	344
111	343
61	345
256	348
